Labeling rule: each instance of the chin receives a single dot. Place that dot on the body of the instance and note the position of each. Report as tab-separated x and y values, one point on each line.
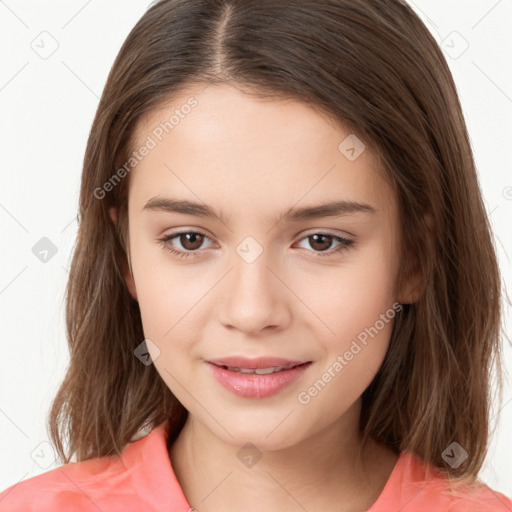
265	436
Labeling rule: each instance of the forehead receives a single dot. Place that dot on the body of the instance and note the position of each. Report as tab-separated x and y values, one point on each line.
217	142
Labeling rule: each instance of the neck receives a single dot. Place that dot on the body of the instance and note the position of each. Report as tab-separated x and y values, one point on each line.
330	470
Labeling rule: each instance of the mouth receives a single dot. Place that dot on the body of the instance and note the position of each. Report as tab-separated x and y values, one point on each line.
260	365
261	371
261	381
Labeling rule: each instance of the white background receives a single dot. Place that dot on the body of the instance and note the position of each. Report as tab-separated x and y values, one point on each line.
47	107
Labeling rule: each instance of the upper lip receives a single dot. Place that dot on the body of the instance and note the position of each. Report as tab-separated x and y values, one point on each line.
252	363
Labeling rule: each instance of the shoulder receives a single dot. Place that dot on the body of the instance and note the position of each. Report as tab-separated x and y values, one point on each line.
416	487
81	486
140	479
71	486
478	498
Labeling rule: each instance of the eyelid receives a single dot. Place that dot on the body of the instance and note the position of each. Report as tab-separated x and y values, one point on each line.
182	231
341	234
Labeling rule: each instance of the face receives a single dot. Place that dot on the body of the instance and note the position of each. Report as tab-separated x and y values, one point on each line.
261	280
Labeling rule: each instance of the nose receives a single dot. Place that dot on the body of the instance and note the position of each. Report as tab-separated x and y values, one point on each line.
255	297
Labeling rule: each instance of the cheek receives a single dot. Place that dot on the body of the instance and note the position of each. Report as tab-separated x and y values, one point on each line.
361	335
353	354
154	292
354	295
166	303
171	300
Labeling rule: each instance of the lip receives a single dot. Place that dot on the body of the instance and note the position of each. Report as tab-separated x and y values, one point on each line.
254	363
257	386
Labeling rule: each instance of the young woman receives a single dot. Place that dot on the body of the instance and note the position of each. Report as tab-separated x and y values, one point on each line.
284	293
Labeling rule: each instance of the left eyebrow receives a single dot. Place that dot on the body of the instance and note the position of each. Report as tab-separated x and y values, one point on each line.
330	209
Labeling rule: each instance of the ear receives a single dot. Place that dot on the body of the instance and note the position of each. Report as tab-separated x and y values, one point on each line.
125	266
412	286
413	283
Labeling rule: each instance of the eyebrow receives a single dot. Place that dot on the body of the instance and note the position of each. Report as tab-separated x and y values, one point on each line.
330	209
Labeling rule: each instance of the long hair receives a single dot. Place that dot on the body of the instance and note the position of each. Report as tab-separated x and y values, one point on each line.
372	65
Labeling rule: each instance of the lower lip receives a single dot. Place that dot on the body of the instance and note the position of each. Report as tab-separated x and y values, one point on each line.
252	385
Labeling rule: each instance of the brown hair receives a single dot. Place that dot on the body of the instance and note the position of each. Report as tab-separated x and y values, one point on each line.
375	67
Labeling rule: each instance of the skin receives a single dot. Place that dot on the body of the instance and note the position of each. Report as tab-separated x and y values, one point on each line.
254	159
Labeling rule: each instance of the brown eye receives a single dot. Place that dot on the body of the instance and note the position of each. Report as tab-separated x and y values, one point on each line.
191	241
321	242
184	244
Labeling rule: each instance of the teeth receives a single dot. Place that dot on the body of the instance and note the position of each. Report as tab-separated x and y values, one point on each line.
265	371
259	371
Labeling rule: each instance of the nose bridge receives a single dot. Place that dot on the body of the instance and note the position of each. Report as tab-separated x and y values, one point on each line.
254	296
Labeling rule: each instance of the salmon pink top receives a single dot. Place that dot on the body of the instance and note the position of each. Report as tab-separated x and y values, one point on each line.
142	479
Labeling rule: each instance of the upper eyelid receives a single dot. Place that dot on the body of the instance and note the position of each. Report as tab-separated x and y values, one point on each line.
186	231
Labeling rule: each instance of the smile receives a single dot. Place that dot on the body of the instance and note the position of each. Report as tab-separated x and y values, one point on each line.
257	382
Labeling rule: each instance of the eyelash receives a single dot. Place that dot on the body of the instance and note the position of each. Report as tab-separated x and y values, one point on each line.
345	243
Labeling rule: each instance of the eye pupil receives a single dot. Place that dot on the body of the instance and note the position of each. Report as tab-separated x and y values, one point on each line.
187	238
323	246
